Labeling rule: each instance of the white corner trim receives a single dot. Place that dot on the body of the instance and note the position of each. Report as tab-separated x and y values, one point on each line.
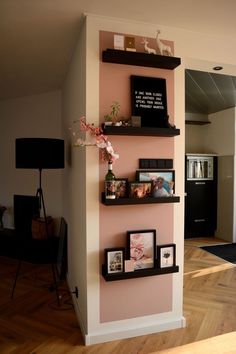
78	313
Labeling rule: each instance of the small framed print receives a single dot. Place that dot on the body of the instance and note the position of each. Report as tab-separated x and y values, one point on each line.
129	265
114	260
130	44
140	189
163	182
136	121
121	187
119	42
166	255
141	248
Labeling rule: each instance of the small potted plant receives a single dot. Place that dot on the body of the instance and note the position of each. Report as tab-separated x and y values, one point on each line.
115	109
111	118
108	120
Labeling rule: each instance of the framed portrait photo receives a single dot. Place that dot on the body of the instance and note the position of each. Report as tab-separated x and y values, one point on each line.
163	182
166	255
114	260
121	187
140	189
141	248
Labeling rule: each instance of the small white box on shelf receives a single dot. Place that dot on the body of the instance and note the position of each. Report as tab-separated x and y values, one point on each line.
119	42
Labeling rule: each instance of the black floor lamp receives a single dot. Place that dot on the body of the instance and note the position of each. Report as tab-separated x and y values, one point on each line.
39	153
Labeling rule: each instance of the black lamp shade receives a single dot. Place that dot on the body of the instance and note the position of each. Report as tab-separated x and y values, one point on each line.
39	153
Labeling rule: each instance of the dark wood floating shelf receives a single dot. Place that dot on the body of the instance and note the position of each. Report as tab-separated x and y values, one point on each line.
138	273
132	201
197	122
140	59
142	131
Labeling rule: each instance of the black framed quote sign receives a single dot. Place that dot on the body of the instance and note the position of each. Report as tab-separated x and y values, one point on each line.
149	101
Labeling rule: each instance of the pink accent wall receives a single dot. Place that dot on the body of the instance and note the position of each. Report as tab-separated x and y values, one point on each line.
144	296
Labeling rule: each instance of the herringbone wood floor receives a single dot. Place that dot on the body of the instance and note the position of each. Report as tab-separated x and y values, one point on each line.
32	322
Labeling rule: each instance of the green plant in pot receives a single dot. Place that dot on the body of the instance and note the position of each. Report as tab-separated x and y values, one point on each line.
108	119
111	118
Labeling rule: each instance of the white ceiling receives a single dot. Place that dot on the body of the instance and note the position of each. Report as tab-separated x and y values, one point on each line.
37	37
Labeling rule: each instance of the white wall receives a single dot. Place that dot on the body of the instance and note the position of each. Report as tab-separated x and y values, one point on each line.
225	209
74	184
33	116
194	138
219	136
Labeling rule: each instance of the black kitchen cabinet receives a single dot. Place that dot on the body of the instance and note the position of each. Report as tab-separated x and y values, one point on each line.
201	202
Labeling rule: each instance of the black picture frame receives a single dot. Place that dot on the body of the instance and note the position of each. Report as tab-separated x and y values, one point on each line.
115	260
141	248
138	189
166	255
149	100
121	187
163	182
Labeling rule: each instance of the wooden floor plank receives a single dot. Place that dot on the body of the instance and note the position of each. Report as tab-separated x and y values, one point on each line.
32	322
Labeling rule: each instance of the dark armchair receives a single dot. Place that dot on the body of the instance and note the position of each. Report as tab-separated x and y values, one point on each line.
35	251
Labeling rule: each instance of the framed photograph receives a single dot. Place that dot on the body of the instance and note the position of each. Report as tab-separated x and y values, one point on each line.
114	260
149	100
121	187
163	182
166	255
141	248
140	189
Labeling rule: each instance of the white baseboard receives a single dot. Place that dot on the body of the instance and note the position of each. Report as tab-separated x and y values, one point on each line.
106	336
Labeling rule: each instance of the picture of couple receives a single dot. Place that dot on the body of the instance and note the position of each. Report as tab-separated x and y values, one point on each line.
162	182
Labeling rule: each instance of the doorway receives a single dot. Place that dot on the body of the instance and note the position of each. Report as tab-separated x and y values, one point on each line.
210	127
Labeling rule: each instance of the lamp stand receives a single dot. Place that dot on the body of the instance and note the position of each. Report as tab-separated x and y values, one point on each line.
41	204
41	200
